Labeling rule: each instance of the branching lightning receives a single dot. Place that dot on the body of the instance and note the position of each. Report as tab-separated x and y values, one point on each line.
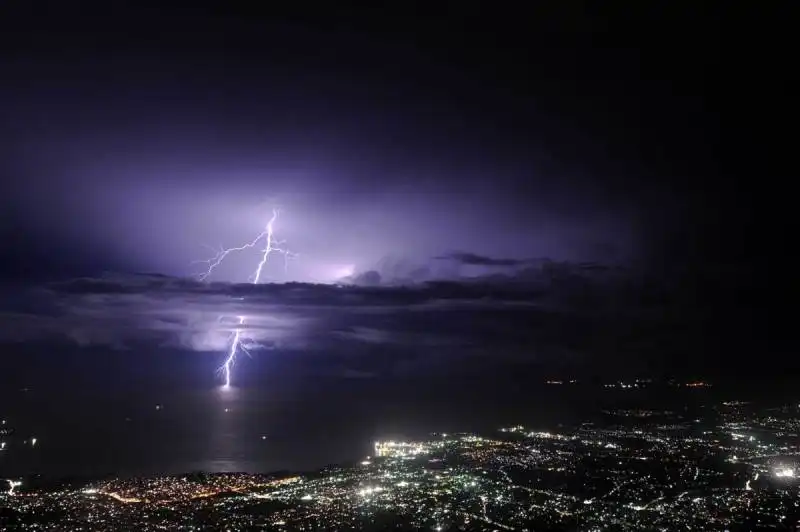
271	245
11	485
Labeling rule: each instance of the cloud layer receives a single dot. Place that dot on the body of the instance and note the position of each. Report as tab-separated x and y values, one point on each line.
554	313
131	311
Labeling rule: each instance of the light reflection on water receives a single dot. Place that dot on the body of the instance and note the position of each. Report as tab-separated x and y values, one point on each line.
243	429
232	443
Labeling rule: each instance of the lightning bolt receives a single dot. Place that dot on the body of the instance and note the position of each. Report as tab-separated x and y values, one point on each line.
271	245
11	485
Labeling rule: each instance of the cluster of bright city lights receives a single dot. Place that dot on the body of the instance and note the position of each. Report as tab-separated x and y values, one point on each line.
633	469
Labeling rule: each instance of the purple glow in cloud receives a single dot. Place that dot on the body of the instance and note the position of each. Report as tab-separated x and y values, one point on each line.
156	214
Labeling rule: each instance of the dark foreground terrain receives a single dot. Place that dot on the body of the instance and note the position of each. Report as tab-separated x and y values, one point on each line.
729	465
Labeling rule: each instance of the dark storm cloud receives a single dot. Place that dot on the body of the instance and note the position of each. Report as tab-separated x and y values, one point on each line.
473	259
558	313
125	312
135	140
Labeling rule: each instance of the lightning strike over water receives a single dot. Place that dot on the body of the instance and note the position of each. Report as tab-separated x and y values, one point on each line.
271	245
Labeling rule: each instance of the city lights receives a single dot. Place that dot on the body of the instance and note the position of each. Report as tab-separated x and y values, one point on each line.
658	473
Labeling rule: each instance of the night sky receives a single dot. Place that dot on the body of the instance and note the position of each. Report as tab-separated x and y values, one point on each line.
461	164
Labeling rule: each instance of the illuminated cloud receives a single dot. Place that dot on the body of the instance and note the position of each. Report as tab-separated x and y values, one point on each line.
124	311
558	313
